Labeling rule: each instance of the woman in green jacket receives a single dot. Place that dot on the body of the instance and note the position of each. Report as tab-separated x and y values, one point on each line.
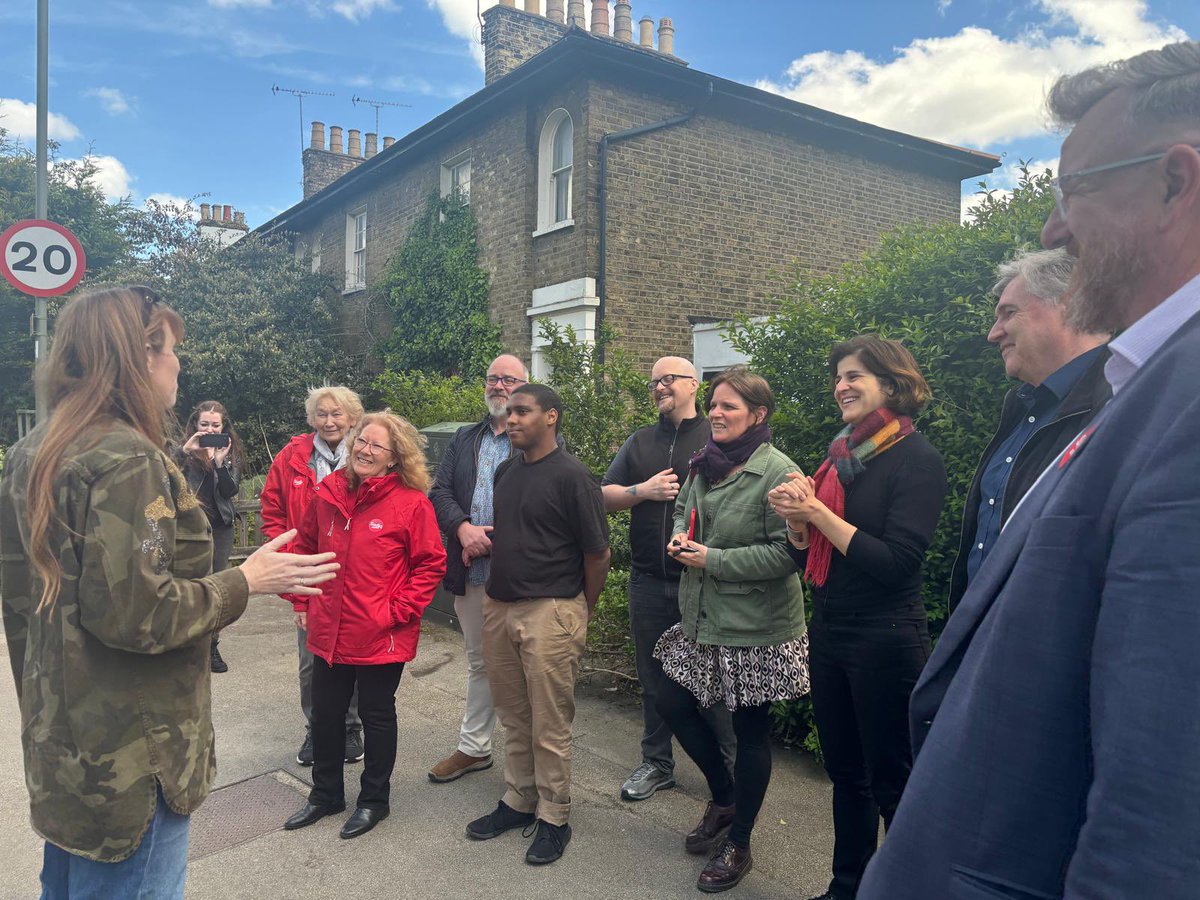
741	641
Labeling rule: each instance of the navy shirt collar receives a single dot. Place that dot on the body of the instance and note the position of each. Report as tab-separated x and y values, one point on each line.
1060	382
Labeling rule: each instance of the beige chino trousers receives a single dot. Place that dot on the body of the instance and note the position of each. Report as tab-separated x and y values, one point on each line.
531	649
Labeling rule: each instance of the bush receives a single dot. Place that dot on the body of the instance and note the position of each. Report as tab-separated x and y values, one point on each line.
927	286
426	399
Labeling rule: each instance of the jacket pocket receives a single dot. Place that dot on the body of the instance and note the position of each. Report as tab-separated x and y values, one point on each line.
736	606
970	885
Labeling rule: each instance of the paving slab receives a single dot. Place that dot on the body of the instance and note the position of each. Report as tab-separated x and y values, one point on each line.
619	850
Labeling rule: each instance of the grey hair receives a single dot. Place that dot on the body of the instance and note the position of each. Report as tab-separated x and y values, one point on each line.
1047	273
1165	84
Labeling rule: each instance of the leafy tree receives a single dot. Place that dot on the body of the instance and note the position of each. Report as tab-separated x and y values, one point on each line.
426	399
439	296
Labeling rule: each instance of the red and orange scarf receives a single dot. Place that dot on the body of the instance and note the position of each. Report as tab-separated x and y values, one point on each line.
849	453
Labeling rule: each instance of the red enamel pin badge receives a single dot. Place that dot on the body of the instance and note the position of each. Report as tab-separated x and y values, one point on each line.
1075	446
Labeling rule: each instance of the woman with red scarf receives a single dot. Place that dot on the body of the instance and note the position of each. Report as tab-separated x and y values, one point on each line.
859	530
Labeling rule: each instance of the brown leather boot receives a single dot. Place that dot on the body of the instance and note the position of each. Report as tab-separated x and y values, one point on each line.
727	867
712	827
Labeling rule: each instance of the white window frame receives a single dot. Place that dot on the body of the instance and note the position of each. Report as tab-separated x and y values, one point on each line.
549	178
357	233
451	170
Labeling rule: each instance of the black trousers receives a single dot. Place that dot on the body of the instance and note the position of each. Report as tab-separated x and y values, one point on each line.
752	761
332	687
863	670
222	536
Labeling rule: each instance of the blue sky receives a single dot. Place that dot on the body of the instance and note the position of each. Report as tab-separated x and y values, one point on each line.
173	97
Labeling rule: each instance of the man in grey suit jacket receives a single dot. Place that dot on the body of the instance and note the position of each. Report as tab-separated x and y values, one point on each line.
1057	725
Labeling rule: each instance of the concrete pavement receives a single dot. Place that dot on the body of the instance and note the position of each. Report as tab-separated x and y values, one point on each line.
619	850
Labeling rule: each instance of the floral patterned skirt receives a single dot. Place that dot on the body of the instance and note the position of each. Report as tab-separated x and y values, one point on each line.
735	676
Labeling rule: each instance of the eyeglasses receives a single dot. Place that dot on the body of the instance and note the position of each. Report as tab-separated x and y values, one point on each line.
1056	184
506	380
361	444
665	381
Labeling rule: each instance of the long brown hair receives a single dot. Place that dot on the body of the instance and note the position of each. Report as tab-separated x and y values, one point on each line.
236	454
95	375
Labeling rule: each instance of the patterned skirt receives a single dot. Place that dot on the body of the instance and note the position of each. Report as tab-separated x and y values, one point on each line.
735	676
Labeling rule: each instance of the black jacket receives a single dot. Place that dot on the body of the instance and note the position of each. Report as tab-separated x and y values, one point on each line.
451	495
647	452
1078	408
225	489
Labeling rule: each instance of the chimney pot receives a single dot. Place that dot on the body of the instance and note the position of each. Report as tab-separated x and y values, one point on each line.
204	211
335	138
372	144
666	37
623	21
554	11
388	141
354	143
512	3
318	136
646	26
599	16
533	6
575	14
227	211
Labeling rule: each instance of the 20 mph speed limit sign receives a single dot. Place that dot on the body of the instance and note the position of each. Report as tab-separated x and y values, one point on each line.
41	258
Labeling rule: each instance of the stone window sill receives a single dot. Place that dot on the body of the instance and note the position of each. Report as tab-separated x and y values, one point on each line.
557	226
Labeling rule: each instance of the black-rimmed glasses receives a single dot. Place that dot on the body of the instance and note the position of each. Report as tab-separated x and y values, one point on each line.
506	380
665	381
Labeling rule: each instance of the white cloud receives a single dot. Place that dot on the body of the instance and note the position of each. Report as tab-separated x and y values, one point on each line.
357	10
943	5
975	87
19	119
111	99
111	176
460	20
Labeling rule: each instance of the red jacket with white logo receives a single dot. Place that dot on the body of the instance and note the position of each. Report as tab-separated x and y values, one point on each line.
288	488
386	539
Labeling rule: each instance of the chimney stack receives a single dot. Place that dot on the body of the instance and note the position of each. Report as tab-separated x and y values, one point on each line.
335	138
227	211
354	143
554	11
533	6
372	144
318	136
623	21
600	17
512	3
239	218
205	211
388	141
575	14
646	39
666	37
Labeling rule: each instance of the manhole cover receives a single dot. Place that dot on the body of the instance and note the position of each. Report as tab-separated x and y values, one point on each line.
243	811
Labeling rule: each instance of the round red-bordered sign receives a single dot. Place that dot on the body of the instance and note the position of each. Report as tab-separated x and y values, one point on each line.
41	258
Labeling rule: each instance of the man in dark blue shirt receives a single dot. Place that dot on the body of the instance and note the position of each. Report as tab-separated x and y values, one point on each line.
1064	387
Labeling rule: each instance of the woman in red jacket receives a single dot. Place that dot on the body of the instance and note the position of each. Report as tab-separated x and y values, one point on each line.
364	626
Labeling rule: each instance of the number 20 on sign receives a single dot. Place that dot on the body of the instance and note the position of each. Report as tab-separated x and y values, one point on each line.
41	258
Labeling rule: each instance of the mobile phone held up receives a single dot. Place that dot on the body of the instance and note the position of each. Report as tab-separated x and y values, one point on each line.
214	440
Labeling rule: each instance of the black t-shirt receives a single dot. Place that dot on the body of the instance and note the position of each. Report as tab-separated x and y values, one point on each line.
548	515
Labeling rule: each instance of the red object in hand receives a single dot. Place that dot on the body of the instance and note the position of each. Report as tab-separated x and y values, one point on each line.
692	525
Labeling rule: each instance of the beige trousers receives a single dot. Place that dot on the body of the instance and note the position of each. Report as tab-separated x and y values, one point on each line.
531	649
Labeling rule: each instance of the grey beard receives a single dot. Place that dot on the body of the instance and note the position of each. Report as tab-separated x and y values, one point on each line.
497	406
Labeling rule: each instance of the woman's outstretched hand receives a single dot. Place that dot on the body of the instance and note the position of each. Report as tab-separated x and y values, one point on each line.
268	570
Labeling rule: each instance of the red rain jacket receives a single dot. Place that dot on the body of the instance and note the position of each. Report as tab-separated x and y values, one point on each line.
289	488
386	538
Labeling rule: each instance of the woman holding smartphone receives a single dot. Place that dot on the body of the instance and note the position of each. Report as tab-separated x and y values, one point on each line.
211	461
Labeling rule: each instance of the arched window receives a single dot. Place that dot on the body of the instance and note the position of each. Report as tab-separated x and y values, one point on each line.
556	158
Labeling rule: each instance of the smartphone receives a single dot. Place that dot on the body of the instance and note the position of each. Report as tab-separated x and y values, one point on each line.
214	440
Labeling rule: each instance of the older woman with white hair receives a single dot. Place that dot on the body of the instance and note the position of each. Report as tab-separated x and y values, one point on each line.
332	411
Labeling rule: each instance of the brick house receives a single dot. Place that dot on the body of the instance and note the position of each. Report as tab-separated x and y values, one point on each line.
612	182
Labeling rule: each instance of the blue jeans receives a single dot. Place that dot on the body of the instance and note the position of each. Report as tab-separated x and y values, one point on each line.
156	870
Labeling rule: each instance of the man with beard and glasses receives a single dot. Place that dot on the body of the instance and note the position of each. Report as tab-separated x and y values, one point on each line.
1056	725
644	477
462	499
1064	387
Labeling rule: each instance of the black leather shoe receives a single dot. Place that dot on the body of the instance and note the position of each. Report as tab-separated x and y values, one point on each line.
309	814
363	821
727	867
710	829
215	662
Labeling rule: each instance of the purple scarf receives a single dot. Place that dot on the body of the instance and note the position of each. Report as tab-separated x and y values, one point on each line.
715	461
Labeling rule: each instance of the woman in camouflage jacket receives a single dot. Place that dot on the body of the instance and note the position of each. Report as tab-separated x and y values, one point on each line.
109	608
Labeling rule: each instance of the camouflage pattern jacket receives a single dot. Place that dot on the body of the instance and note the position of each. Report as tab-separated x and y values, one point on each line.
113	680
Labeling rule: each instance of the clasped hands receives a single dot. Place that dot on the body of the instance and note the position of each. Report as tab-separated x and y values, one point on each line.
475	541
795	501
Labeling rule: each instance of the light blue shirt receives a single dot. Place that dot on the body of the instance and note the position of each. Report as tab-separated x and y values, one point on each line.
1141	340
493	450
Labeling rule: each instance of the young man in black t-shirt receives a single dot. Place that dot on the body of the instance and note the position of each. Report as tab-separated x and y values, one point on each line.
549	561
